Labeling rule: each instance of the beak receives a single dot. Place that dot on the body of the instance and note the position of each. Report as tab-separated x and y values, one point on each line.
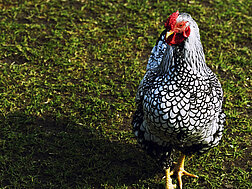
168	34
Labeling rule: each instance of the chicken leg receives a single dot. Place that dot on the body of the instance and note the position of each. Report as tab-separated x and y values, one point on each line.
179	169
168	179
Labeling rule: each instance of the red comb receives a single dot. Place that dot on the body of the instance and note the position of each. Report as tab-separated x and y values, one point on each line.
171	21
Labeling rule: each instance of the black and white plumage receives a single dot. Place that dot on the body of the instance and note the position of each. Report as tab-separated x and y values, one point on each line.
179	100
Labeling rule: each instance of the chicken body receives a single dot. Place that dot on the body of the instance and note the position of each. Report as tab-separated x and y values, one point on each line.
179	100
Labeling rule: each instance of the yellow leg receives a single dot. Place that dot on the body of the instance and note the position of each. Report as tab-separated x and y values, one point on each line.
168	179
179	169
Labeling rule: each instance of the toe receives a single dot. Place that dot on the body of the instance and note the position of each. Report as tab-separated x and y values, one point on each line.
189	174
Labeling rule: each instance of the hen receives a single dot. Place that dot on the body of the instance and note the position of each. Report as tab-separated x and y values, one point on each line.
179	100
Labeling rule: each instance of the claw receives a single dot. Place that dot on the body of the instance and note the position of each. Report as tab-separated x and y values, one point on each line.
181	173
179	169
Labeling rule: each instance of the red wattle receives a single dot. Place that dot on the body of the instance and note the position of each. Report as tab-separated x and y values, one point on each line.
176	38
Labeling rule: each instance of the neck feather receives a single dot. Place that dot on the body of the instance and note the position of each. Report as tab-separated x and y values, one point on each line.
189	54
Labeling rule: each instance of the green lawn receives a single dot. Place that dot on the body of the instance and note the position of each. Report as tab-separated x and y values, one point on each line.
69	71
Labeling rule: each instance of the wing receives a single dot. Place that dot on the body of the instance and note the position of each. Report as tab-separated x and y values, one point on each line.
149	142
157	52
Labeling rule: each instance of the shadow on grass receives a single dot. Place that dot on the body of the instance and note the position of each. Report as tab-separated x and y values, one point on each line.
47	153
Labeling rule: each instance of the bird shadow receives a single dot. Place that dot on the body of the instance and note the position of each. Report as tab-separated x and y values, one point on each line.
51	152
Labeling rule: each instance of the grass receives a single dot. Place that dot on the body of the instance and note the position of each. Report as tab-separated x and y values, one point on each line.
69	71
